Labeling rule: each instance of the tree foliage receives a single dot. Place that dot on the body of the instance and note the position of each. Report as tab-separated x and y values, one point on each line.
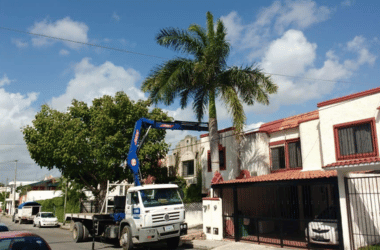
88	144
204	77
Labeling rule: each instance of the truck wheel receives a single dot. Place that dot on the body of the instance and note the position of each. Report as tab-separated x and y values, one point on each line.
126	238
172	243
78	232
39	224
86	232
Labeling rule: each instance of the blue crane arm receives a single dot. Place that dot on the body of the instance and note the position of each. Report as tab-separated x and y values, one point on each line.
143	123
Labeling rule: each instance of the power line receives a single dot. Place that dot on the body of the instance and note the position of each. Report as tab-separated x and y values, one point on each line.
82	43
159	57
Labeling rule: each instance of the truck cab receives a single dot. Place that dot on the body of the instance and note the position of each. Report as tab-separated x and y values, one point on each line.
153	213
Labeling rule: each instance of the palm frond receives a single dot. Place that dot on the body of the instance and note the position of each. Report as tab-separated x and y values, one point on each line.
235	107
179	40
200	102
166	81
252	85
210	28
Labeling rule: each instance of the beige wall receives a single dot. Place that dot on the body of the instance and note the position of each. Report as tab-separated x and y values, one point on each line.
310	145
342	112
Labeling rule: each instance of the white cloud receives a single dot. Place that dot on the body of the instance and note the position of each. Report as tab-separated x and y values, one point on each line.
16	112
91	81
115	17
63	28
19	43
64	52
294	55
271	22
290	54
300	14
232	22
5	80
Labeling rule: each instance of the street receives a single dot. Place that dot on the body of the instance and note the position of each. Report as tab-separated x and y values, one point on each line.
61	239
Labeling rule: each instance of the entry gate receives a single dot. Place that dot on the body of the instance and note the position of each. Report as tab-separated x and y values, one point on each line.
363	202
282	213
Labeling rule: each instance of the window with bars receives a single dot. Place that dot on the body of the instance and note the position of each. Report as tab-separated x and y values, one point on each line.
286	155
355	140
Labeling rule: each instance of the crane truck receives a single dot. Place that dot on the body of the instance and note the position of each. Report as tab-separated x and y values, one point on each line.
149	213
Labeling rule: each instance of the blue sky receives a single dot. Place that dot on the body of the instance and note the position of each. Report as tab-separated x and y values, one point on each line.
308	41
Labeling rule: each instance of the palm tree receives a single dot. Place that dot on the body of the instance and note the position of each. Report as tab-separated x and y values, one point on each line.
204	76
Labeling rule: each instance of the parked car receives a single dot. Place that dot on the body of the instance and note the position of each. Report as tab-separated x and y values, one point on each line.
45	219
324	228
3	228
22	240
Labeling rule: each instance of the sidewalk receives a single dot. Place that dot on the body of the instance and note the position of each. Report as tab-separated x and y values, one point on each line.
196	238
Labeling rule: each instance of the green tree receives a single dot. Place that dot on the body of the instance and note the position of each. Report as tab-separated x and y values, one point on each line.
89	144
204	76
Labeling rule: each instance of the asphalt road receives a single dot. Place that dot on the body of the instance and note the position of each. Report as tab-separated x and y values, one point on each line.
61	239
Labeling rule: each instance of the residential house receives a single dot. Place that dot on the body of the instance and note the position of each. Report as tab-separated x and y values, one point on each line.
14	196
284	174
185	159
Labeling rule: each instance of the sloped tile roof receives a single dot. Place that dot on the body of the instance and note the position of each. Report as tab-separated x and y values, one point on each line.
353	162
285	176
289	122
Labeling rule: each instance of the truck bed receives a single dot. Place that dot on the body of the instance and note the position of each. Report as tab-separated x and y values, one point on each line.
87	216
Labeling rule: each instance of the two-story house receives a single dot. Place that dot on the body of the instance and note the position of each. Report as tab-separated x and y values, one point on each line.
287	173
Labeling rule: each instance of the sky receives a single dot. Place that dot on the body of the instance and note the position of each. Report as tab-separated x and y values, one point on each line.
313	50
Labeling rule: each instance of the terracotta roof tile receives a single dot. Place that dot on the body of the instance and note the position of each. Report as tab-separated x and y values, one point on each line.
289	122
340	164
285	176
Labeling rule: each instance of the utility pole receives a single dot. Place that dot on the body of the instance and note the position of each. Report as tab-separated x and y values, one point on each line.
14	192
64	207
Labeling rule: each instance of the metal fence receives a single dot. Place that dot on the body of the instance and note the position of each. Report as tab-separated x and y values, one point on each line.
194	206
293	214
363	206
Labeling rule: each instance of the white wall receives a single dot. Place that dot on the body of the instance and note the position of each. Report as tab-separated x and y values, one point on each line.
193	218
37	195
342	112
286	134
255	153
310	145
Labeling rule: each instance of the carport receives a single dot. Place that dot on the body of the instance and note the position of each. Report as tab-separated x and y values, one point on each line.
277	208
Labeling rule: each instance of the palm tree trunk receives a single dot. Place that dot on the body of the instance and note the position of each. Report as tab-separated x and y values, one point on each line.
214	135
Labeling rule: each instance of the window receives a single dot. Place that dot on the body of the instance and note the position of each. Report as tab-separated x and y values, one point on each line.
134	198
222	159
286	154
355	140
188	168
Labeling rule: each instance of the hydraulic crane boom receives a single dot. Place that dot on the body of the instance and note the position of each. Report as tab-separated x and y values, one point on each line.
132	159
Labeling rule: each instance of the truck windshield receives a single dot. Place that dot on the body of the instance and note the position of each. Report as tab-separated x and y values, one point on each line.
160	197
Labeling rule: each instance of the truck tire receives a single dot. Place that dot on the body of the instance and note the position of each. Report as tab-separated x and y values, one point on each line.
173	243
78	232
126	238
86	232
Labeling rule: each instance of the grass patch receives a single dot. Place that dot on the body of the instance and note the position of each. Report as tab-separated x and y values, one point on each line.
374	247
